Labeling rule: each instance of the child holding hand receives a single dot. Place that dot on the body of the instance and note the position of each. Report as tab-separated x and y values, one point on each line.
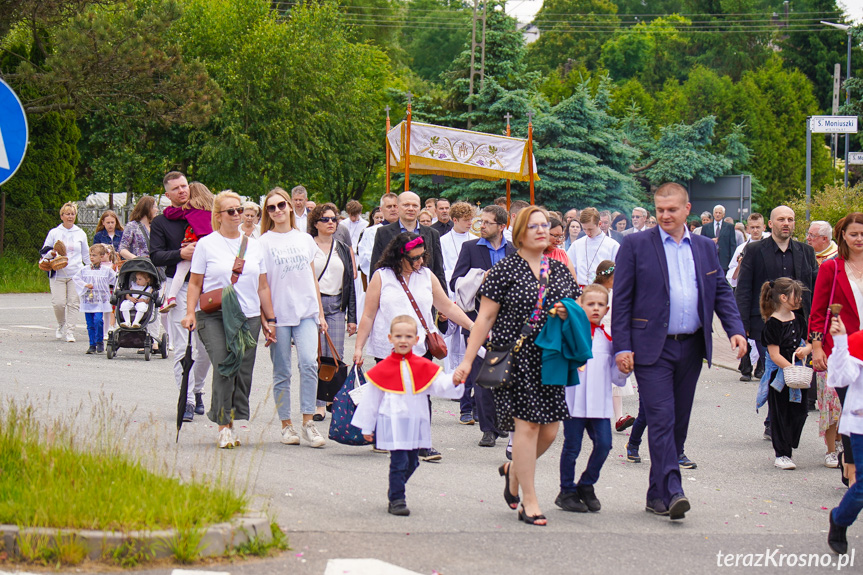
845	366
93	283
396	407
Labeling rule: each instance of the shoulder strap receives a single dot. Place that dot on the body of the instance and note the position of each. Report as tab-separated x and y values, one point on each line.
329	255
238	269
413	303
146	235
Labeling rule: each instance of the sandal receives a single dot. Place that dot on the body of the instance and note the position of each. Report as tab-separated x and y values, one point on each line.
511	500
532	519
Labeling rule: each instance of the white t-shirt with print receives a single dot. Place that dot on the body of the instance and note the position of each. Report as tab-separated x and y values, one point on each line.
288	258
214	259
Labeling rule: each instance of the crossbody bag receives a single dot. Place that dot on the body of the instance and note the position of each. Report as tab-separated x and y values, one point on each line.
211	301
434	341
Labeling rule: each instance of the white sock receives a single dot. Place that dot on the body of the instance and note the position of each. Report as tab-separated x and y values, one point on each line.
617	403
138	316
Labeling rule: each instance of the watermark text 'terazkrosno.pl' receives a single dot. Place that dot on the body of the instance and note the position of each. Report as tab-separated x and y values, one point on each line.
781	558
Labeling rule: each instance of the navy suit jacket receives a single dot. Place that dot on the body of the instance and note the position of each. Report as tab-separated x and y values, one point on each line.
473	256
727	243
641	306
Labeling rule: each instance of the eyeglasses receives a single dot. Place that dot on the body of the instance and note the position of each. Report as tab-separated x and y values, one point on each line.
543	226
413	259
327	219
487	223
557	236
281	206
232	211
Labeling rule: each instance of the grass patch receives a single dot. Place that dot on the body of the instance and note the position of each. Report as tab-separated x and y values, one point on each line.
257	547
20	275
49	478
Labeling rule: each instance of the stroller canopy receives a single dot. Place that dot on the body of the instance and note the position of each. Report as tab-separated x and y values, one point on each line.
131	267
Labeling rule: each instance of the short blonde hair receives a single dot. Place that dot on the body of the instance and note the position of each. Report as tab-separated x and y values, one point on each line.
217	206
253	205
520	227
69	206
595	288
404	319
267	222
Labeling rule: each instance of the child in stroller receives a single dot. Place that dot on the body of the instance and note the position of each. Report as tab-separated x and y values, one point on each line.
140	302
137	288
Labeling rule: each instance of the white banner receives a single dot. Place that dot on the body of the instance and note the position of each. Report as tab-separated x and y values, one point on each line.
459	153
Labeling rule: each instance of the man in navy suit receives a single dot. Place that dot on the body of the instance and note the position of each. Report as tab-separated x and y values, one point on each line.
667	285
482	254
723	235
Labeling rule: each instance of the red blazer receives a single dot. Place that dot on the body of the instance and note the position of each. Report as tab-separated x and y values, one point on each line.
833	272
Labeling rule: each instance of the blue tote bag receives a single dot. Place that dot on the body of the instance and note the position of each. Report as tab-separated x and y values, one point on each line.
341	430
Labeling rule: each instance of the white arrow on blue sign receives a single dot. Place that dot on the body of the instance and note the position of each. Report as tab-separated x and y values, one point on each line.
13	133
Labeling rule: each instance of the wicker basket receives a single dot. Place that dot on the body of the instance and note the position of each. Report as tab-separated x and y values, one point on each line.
797	376
60	248
59	263
45	265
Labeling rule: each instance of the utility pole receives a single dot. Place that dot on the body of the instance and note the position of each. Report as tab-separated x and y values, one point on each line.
482	58
472	63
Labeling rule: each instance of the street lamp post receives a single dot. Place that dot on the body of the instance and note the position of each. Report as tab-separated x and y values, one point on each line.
847	28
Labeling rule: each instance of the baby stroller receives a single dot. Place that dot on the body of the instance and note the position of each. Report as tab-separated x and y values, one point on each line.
135	337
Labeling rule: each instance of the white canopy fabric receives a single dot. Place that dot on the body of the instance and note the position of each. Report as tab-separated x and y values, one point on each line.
442	151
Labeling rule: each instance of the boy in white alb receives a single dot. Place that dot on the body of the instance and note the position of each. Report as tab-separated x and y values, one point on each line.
590	409
396	407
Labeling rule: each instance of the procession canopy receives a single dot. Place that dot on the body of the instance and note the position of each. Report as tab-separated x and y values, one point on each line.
441	151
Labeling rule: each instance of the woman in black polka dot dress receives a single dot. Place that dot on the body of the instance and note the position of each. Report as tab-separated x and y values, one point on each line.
509	297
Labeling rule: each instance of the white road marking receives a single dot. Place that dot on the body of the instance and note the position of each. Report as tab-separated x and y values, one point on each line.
25	307
33	327
190	572
364	567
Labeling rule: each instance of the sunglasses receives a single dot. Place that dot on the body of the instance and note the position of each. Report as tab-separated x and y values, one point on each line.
413	259
281	206
327	219
232	211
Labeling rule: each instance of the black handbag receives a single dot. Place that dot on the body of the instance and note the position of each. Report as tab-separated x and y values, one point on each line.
332	372
497	367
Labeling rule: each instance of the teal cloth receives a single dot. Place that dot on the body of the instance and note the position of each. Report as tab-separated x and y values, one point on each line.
566	345
237	332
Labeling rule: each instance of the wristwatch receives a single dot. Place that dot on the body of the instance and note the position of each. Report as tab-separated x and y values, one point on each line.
271	320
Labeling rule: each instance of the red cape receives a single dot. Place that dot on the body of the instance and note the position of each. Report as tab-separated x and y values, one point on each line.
387	375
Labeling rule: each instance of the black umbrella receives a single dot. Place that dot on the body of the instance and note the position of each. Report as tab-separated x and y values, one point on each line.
187	363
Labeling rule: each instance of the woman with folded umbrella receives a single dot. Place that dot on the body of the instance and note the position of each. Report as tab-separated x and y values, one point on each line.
229	259
64	297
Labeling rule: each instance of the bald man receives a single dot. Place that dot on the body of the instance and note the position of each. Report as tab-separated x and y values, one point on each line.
409	209
771	258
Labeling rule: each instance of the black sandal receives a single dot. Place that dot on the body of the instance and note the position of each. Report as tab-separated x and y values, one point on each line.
531	519
511	500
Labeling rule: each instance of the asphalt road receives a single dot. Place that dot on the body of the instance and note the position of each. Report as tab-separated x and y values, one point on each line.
332	501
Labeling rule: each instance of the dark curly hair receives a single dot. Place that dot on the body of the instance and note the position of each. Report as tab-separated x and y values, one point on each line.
318	213
393	255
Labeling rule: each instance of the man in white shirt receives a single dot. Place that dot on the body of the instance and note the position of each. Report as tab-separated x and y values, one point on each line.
639	221
299	197
588	251
354	223
390	210
514	208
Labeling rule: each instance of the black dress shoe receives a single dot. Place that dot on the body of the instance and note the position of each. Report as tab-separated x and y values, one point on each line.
678	507
570	501
488	439
656	506
836	538
501	434
759	373
587	494
745	378
398	507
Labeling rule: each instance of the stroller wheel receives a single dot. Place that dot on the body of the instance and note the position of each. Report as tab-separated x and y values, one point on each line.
109	350
147	350
163	346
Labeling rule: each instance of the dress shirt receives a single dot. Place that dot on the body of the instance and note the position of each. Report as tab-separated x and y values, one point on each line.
302	221
785	260
682	283
495	254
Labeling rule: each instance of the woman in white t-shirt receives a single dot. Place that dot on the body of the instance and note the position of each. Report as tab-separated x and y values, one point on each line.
290	255
212	265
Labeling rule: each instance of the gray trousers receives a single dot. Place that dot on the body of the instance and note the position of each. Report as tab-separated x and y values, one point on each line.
230	395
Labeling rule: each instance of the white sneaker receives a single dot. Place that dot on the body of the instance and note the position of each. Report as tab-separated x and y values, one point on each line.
235	436
125	324
226	439
61	331
105	337
831	460
312	435
784	462
70	337
289	436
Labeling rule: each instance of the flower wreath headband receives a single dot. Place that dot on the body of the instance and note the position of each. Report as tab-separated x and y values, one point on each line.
412	244
607	272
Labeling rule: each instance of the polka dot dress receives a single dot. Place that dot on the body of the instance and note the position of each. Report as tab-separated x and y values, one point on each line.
511	284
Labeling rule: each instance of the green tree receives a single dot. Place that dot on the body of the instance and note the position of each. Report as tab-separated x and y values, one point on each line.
436	33
572	30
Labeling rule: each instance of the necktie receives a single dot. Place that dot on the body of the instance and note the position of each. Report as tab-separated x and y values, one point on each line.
718	225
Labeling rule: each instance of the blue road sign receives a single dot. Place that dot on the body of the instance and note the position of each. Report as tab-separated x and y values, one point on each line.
13	133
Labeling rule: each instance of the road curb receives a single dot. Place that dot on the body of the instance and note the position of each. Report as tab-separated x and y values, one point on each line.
216	540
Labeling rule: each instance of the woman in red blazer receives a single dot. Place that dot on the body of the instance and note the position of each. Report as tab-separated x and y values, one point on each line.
840	281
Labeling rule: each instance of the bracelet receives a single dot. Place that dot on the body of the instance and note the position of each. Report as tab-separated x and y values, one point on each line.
816	336
271	320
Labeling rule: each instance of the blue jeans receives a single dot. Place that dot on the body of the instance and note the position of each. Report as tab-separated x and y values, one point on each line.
94	328
852	502
599	431
305	337
403	463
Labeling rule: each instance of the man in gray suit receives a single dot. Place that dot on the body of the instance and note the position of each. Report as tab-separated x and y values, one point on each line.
639	221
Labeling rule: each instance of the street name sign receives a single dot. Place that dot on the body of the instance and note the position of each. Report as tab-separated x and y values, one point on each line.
833	124
855	157
13	133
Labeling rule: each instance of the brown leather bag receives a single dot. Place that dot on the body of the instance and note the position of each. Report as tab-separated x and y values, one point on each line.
434	340
211	301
